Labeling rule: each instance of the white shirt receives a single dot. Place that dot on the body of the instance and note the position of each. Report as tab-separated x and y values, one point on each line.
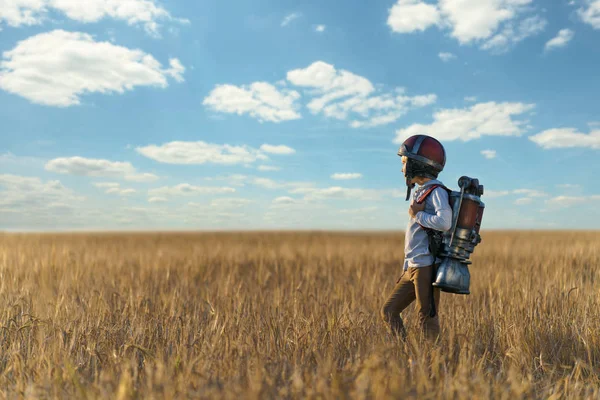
437	215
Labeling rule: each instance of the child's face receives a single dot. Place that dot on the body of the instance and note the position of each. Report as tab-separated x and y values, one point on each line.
404	159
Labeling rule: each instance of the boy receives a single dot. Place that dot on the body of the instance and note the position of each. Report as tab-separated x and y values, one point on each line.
423	158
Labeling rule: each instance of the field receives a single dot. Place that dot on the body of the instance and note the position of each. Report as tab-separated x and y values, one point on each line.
291	315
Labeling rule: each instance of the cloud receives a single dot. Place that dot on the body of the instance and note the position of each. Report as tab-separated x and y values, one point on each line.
280	149
482	119
260	100
513	34
185	189
289	18
121	192
566	138
58	67
590	14
568	186
107	185
445	57
25	195
471	99
340	94
201	153
563	37
268	168
336	192
157	200
17	13
114	188
524	201
284	200
489	154
272	184
358	210
81	166
569	201
228	203
320	28
408	16
493	23
346	176
528	193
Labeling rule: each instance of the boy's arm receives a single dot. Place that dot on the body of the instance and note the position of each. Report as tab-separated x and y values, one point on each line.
442	219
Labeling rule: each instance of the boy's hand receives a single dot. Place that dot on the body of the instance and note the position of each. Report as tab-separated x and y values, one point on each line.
415	208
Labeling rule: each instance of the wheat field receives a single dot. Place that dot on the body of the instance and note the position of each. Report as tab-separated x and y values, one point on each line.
291	315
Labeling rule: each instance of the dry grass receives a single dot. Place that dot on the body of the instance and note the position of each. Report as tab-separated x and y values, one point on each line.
290	315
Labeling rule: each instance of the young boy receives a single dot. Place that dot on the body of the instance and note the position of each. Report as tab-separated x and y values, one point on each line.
423	158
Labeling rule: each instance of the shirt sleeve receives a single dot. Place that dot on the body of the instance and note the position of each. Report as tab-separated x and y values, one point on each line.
442	219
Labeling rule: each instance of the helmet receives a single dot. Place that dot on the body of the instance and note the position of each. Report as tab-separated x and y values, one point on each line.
426	157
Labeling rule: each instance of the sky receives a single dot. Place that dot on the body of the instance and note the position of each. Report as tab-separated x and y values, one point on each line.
280	114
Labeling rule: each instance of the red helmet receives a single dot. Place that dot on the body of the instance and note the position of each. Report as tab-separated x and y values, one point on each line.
426	157
425	149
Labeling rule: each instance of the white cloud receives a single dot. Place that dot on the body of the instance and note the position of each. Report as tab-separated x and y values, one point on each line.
228	203
489	154
16	13
81	166
58	67
289	18
201	153
569	201
272	184
268	168
284	200
121	192
363	210
320	28
185	189
280	149
568	186
412	15
471	99
528	193
336	192
107	185
511	34
566	138
482	119
563	37
260	100
25	195
590	14
346	176
157	200
523	201
233	179
445	57
340	94
494	23
492	194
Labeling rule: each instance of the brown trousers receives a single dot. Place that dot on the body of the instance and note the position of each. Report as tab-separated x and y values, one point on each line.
414	284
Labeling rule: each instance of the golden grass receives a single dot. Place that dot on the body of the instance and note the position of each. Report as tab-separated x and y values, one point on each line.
290	315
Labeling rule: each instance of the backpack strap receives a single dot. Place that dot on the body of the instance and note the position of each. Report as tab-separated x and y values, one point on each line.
428	191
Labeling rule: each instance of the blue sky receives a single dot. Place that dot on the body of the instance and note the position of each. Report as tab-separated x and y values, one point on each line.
288	114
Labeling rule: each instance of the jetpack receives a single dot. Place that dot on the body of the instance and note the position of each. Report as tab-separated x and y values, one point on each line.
460	241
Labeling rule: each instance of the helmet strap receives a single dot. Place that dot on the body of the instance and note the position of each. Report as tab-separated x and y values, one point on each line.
409	176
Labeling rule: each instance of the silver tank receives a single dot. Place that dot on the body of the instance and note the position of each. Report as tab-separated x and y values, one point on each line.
460	241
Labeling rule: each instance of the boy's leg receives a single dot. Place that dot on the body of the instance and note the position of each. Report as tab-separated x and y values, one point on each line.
422	279
402	295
